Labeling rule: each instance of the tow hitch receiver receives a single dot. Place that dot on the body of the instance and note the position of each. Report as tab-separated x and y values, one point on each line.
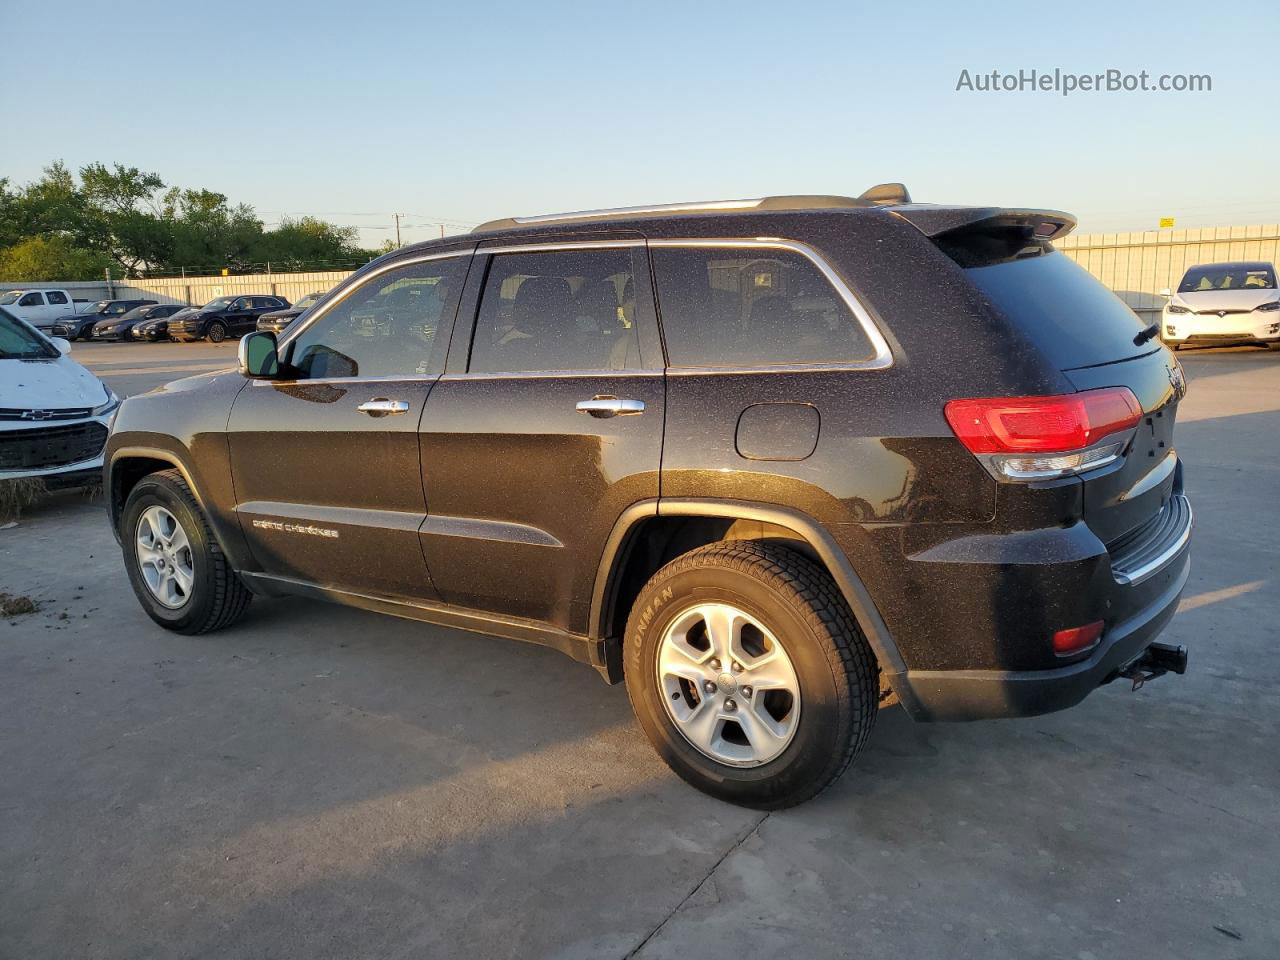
1157	660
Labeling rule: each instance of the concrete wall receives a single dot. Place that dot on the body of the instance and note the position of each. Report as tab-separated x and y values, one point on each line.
1135	265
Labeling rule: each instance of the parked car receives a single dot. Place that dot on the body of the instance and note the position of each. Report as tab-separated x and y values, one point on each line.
54	414
224	317
80	326
157	328
122	327
733	454
277	320
1221	303
41	305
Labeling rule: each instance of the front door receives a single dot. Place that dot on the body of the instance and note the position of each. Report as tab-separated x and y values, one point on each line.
546	426
325	465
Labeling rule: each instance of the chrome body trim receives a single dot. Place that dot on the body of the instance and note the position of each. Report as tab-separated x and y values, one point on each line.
1157	563
526	247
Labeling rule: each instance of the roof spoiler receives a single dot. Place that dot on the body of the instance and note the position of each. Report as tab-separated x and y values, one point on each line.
935	221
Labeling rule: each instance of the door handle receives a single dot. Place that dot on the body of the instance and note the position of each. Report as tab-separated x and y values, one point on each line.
602	406
382	407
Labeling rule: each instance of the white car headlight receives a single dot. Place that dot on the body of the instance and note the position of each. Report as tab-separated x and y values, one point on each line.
104	408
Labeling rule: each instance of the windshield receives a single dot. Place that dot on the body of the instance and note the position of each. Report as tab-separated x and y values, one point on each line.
11	297
1229	276
20	342
115	309
306	301
220	304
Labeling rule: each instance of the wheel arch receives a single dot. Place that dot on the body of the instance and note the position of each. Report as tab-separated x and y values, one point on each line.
128	465
684	523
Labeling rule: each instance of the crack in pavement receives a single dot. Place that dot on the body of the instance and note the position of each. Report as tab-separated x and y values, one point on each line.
755	827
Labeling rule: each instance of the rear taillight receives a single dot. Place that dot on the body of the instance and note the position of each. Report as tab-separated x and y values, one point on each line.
1077	639
1039	438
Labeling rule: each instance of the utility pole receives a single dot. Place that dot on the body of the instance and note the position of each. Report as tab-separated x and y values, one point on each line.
397	216
442	231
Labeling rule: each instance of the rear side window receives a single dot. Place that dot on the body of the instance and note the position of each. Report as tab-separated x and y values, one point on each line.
1070	316
56	297
746	307
559	310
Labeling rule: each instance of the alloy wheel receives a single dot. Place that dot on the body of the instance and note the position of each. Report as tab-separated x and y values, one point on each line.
164	557
728	685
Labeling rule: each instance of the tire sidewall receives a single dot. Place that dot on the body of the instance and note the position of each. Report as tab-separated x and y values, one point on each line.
816	741
156	491
216	327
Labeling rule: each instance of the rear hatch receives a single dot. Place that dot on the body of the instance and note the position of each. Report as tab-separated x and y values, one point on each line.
1095	341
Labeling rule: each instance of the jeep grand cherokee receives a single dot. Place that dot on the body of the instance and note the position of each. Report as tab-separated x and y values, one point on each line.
773	463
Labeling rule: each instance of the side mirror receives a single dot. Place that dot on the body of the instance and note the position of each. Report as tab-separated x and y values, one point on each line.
258	356
1166	292
63	345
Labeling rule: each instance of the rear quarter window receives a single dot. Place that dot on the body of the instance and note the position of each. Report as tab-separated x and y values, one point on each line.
752	307
1069	315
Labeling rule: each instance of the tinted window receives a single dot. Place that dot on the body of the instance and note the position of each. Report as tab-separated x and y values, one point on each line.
743	307
386	327
1069	315
560	310
56	297
1229	276
31	300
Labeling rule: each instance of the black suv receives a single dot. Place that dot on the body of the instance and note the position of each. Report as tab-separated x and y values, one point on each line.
774	463
79	326
224	317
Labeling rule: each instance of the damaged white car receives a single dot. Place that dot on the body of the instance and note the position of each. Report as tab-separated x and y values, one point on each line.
54	414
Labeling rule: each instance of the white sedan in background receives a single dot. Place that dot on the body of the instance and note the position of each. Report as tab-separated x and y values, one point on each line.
54	414
1219	303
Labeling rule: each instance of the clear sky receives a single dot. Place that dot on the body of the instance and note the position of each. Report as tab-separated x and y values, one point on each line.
461	112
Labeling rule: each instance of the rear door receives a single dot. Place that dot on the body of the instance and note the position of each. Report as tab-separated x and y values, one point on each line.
547	425
1092	337
325	465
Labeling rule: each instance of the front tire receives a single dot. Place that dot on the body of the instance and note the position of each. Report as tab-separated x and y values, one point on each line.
749	675
178	572
217	332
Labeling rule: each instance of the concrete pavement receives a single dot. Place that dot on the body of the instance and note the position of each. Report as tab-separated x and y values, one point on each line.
320	782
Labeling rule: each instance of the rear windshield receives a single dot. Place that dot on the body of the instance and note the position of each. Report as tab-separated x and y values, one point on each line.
1068	314
1228	276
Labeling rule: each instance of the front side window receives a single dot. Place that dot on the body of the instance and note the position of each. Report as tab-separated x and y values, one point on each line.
558	310
31	300
752	307
389	326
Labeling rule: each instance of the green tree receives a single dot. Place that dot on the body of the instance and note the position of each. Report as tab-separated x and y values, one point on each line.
49	258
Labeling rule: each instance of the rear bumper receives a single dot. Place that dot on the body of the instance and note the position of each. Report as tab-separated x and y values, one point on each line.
986	694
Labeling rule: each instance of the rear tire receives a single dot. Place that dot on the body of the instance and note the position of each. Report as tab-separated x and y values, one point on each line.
217	332
210	596
764	748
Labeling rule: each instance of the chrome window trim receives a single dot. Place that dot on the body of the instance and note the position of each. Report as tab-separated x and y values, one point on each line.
295	330
552	374
407	378
883	356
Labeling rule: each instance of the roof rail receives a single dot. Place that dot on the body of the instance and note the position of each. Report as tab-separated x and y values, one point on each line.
880	195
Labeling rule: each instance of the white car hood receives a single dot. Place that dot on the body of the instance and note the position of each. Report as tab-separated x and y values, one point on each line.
1202	301
49	385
